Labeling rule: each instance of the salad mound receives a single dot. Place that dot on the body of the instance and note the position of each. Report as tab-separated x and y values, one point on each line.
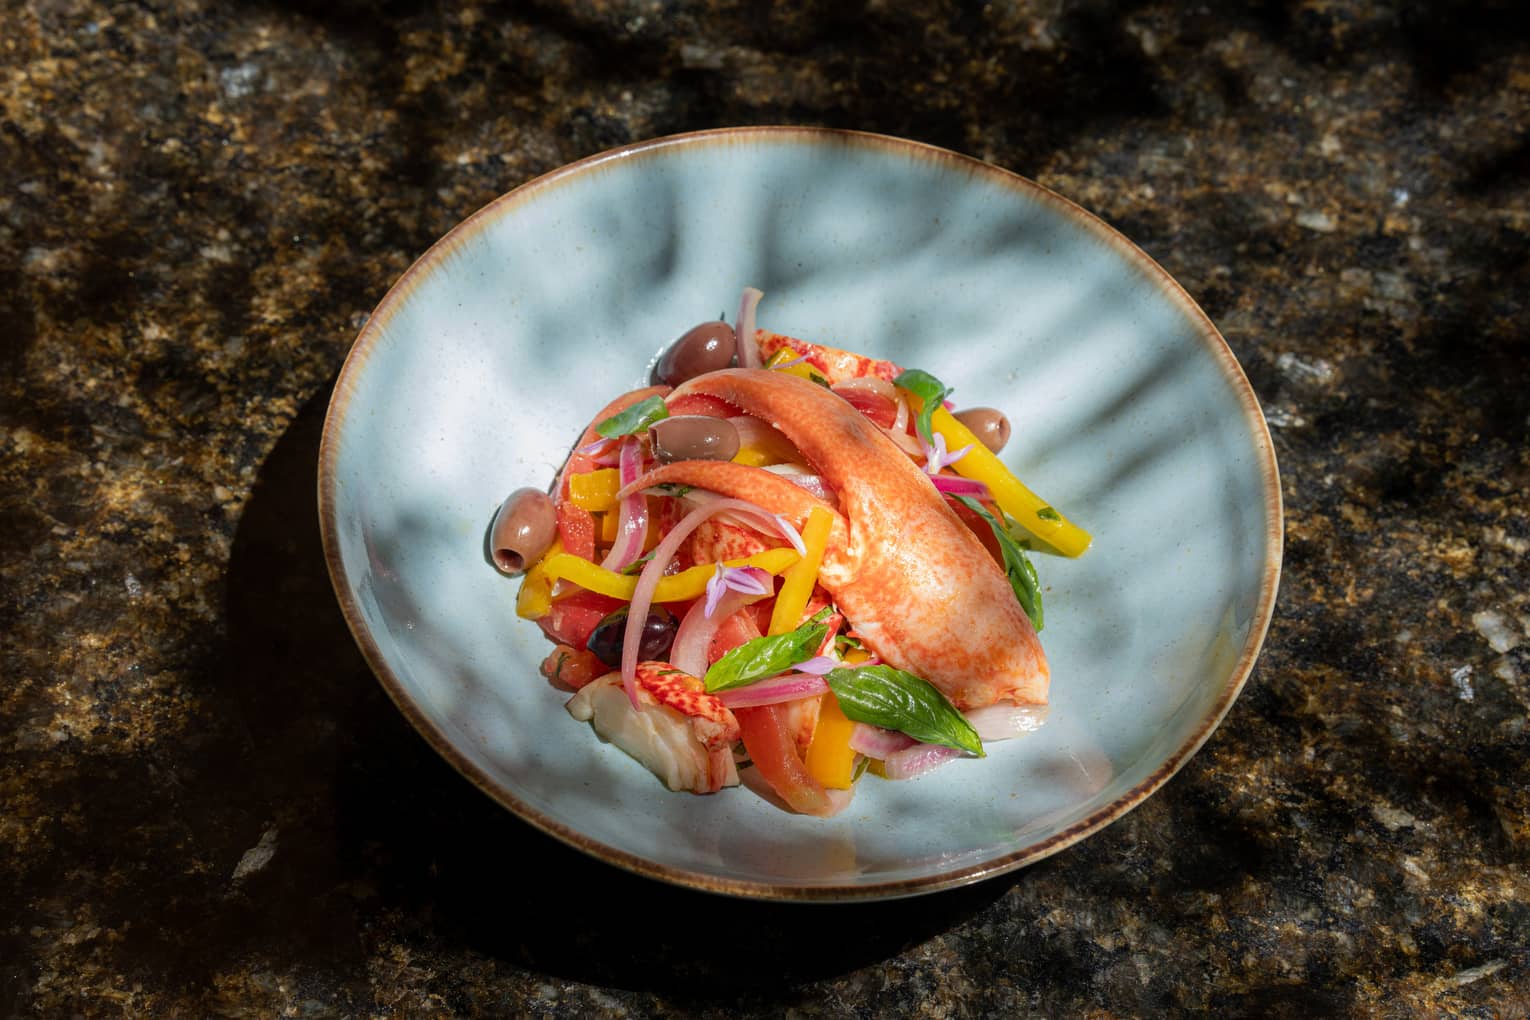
808	566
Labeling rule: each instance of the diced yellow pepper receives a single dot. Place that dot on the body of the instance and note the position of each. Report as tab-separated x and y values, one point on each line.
752	456
830	759
595	490
1008	491
797	585
688	584
534	600
608	527
802	369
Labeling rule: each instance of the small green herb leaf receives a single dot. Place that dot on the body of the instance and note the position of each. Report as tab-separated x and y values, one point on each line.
763	657
928	389
1017	566
1046	513
634	419
637	565
673	489
895	700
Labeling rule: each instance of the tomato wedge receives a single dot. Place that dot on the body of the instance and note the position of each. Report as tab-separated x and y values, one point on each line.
572	620
576	529
701	403
773	749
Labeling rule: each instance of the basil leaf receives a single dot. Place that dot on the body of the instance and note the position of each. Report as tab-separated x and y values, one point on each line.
1017	566
928	389
634	419
763	657
895	700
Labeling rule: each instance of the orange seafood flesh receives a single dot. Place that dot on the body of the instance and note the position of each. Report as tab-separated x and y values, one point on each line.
917	584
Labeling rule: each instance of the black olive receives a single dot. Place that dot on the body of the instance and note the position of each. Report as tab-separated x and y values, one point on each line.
704	348
693	437
658	634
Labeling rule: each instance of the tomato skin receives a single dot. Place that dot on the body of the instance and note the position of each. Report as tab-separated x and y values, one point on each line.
979	527
735	630
571	668
701	403
881	411
773	749
572	620
576	529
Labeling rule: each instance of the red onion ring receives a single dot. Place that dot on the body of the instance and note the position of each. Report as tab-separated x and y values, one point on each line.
773	691
653	572
875	742
962	486
689	652
748	347
632	519
1003	721
917	760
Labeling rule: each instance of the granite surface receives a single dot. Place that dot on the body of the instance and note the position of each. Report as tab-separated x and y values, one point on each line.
209	808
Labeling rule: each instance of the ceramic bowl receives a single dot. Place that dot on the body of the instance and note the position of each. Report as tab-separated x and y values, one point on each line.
481	365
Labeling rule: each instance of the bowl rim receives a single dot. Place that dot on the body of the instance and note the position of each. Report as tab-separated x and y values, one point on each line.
355	361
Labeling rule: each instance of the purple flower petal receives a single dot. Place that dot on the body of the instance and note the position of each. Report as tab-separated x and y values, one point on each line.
746	580
818	665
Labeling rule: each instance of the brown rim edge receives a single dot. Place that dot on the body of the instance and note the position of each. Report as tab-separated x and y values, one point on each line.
1209	335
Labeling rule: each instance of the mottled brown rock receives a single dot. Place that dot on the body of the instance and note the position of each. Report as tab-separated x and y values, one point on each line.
207	806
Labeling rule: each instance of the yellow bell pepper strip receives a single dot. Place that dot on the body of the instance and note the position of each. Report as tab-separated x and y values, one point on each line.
595	490
829	757
1008	491
797	585
534	600
688	584
752	456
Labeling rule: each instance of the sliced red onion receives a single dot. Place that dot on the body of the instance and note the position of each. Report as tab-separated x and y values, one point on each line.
917	760
905	442
870	383
697	629
1003	721
748	347
818	665
799	359
632	514
774	690
900	420
760	435
597	447
961	486
804	479
875	742
653	571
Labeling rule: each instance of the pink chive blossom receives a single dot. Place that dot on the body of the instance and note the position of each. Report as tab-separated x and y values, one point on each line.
747	580
818	665
936	457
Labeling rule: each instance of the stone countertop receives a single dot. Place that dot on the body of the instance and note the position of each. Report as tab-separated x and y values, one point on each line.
209	808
